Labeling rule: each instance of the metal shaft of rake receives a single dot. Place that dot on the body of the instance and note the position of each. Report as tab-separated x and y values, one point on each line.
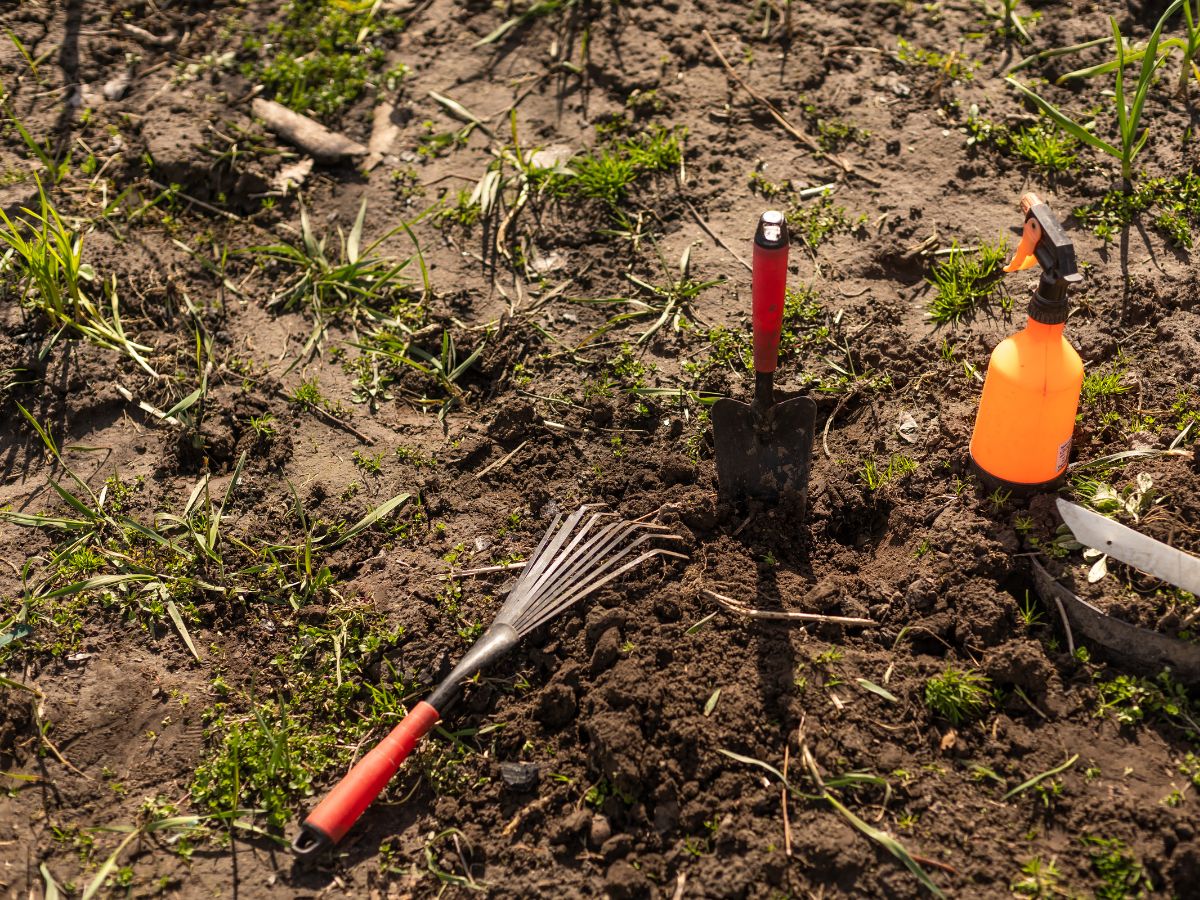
571	561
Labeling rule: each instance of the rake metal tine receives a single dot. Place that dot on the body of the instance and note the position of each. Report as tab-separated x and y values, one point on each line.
544	553
581	576
595	586
591	555
572	565
544	578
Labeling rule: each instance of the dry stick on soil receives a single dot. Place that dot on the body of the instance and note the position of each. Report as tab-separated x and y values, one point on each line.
200	203
779	117
742	609
500	462
712	234
307	134
783	791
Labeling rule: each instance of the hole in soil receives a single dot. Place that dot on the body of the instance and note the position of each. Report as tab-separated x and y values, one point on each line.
859	525
1020	585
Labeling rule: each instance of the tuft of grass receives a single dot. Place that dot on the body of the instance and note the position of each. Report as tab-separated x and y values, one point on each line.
1173	203
1098	386
965	282
897	467
608	171
44	266
264	751
1120	873
816	222
355	284
1043	144
958	695
323	55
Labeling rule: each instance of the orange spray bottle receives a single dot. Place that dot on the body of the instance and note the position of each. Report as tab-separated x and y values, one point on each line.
1022	436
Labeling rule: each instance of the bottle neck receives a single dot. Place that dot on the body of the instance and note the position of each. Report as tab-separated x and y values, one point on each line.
1043	330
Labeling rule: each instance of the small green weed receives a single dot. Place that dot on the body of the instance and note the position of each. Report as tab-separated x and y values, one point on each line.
1046	147
816	222
1121	875
324	55
1040	880
897	467
965	282
1131	699
958	695
1172	203
953	65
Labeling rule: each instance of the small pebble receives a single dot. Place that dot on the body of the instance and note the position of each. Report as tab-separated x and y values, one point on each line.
520	776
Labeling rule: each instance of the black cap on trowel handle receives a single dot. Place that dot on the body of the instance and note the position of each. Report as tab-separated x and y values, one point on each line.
1044	243
772	231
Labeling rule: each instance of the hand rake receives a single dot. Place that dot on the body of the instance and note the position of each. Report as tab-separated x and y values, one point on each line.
572	561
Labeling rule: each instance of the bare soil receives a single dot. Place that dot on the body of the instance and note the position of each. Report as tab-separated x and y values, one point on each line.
614	701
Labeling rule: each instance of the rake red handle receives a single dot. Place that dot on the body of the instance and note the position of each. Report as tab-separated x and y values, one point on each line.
329	822
768	288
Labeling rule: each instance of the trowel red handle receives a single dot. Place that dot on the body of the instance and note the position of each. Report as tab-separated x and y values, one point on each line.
329	822
768	287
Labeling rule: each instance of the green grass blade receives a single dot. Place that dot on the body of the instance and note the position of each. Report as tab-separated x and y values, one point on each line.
372	517
173	612
18	632
185	404
52	888
41	432
1119	89
767	767
876	689
97	883
1067	124
96	582
355	240
890	844
1150	62
18	686
1038	778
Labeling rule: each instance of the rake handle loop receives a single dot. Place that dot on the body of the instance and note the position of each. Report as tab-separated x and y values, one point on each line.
768	288
328	823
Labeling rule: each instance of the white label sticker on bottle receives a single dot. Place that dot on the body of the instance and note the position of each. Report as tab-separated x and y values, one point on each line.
1064	453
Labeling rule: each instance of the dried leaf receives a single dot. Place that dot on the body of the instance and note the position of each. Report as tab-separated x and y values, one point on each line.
1098	570
293	176
383	134
712	702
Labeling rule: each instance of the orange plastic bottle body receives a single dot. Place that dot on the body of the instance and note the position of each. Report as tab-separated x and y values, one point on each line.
1027	413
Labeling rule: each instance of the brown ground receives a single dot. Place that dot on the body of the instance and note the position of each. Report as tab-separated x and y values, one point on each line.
611	697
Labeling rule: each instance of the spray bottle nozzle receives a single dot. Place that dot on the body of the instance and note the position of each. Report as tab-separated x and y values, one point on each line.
1044	243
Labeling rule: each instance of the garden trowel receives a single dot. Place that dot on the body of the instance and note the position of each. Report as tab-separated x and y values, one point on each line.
764	449
1132	547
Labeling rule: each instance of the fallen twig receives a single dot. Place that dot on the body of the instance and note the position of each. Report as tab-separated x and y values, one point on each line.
787	126
307	134
742	609
500	462
704	225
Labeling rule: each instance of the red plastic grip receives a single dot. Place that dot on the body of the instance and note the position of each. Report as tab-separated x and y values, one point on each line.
768	286
354	793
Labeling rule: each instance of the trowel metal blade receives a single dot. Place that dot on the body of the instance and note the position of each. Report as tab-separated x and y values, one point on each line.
767	459
1132	547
